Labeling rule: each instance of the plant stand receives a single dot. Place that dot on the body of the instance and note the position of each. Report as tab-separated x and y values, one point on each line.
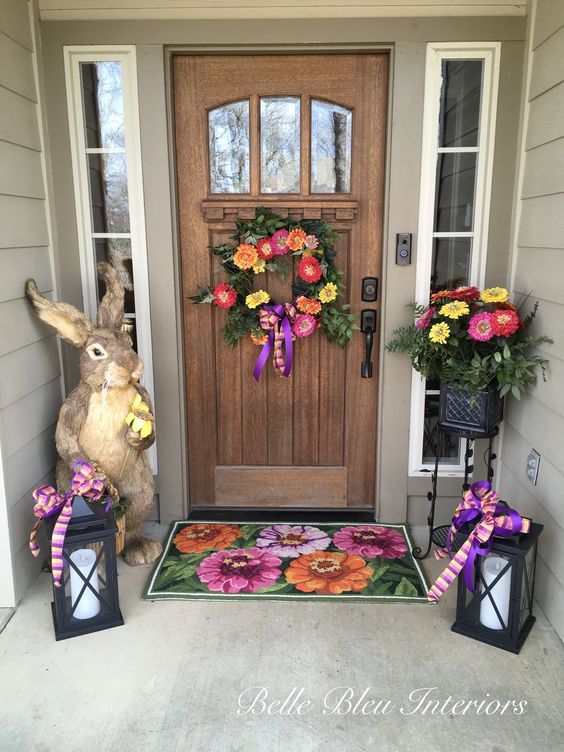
438	534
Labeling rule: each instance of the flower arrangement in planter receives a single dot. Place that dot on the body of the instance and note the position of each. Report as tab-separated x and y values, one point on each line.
475	343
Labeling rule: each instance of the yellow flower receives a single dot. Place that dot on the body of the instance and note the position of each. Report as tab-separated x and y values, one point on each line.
257	298
328	293
439	333
455	310
260	266
139	418
495	295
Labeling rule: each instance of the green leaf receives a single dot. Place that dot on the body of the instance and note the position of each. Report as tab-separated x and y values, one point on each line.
497	357
506	352
515	391
405	588
378	571
278	587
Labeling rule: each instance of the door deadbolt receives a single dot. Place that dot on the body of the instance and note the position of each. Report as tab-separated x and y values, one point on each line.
369	289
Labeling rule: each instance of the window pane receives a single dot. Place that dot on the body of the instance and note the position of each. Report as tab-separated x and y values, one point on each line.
280	144
331	134
456	178
449	449
460	102
229	148
117	252
451	263
102	95
108	192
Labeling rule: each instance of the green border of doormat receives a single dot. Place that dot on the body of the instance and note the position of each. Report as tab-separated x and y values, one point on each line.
192	596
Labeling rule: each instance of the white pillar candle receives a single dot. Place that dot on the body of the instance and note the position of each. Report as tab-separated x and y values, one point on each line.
500	592
89	605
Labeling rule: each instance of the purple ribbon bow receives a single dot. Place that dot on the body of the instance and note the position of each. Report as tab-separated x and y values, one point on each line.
48	501
479	505
277	320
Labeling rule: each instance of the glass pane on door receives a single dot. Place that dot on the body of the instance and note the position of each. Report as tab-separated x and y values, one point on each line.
228	128
331	136
280	144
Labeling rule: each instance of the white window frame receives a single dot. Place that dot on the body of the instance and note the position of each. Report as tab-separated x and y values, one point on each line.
126	55
490	53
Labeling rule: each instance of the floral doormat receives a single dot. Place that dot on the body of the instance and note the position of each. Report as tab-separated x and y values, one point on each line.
287	561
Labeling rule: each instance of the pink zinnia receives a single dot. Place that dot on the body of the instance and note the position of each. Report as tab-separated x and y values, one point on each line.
371	541
311	242
480	327
290	541
304	325
239	570
424	320
278	242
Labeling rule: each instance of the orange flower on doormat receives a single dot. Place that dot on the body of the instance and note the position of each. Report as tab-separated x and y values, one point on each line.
328	573
193	539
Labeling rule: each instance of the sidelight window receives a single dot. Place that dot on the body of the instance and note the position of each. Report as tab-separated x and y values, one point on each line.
106	162
459	126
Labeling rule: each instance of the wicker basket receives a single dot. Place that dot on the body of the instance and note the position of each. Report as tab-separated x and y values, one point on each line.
120	541
120	535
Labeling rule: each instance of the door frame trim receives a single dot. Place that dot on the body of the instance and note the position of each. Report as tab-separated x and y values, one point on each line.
170	51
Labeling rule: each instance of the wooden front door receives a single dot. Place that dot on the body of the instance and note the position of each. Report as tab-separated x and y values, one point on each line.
304	135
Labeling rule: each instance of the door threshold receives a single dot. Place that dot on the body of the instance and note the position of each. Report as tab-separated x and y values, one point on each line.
287	514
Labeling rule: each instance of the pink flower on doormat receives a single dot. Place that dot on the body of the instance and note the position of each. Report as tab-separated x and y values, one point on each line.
371	541
290	541
239	570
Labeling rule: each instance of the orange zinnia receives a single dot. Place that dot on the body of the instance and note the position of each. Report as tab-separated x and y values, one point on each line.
193	539
296	240
440	295
328	573
307	305
246	256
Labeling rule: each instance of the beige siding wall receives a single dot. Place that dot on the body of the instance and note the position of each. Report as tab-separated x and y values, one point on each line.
539	267
30	388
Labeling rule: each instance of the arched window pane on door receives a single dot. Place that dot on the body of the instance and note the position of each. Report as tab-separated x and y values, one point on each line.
280	144
331	136
229	148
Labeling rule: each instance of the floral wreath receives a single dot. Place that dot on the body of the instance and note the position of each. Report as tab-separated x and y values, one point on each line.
267	243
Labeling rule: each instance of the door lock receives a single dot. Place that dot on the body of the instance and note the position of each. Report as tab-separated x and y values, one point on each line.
369	289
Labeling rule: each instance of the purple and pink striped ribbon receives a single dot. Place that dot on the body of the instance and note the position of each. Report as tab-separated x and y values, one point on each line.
48	501
277	320
480	504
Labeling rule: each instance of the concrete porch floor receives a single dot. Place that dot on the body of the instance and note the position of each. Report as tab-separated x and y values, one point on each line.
171	678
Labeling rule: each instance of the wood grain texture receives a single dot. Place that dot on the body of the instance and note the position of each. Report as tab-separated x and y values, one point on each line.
268	486
324	415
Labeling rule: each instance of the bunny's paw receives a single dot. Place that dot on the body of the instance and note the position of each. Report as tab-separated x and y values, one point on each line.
142	551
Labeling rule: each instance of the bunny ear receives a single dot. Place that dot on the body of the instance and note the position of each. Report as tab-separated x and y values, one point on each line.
110	310
70	323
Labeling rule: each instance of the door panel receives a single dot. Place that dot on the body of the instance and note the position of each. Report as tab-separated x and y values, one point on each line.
310	439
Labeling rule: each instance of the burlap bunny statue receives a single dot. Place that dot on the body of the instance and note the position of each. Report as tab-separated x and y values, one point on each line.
92	421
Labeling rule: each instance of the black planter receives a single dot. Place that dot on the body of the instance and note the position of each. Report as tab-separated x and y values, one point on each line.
476	414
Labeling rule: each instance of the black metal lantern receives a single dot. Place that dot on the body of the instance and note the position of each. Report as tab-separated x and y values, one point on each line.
87	600
500	610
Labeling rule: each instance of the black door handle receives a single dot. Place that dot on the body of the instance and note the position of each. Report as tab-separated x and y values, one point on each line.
367	327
